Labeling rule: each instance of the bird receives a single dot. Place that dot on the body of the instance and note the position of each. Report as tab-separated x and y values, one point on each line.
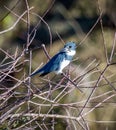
59	61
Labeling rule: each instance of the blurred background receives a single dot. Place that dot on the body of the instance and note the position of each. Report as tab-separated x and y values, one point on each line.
53	23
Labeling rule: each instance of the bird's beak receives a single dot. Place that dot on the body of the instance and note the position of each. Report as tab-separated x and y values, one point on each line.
67	49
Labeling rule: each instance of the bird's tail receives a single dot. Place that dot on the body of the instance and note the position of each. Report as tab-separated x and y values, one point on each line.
36	72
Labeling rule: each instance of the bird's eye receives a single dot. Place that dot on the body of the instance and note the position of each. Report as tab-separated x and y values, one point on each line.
70	46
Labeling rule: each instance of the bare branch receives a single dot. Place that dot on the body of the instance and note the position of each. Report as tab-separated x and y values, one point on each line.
13	26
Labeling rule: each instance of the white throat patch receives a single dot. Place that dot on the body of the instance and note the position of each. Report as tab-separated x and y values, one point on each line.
71	53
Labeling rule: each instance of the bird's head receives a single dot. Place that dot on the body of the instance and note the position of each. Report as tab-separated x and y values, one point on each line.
70	48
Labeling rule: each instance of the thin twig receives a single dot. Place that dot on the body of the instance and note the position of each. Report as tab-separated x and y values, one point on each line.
102	30
113	48
72	82
13	26
45	51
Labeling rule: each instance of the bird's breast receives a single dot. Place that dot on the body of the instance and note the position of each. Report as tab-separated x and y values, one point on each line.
63	64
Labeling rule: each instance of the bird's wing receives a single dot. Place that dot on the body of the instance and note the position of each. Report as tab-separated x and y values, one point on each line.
52	65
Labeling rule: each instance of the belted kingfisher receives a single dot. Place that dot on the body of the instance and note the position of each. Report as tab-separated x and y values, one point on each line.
59	61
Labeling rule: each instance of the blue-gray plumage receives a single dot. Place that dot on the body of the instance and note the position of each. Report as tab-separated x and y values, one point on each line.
58	62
